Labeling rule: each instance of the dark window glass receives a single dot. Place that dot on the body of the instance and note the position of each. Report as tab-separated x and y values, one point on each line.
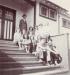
66	23
9	15
52	14
43	11
48	12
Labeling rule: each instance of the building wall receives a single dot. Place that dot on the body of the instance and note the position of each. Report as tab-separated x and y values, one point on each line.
66	73
64	30
50	26
53	27
20	10
30	15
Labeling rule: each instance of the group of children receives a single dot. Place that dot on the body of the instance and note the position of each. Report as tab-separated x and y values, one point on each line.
42	47
46	51
24	39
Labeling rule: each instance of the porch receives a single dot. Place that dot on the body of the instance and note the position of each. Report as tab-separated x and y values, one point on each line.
17	62
11	12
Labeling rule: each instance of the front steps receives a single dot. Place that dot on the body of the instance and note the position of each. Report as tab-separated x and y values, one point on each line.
17	62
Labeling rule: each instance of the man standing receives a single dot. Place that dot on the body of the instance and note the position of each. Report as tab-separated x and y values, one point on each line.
23	24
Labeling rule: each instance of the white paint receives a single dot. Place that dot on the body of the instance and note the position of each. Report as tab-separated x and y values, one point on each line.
63	3
50	26
30	15
61	44
64	30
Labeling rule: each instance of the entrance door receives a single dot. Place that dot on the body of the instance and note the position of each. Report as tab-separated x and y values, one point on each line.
7	23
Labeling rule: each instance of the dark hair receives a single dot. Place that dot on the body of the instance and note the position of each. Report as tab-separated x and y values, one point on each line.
25	38
23	15
31	28
49	38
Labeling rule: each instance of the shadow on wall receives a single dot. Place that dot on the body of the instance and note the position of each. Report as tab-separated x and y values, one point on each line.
8	59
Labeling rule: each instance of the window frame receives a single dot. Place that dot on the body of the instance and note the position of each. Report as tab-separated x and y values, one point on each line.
40	12
67	23
55	16
40	5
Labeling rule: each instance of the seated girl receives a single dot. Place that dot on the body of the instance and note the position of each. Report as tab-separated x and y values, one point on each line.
41	50
26	43
16	36
31	37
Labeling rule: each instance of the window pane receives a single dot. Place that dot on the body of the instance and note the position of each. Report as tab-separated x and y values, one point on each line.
43	11
66	23
9	15
53	14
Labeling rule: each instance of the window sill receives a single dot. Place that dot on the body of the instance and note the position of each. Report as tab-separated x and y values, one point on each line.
48	17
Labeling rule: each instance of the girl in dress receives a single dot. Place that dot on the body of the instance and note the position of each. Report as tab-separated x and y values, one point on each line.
17	36
26	43
31	37
41	50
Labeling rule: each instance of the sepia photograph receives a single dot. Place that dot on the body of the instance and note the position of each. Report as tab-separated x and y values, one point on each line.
34	37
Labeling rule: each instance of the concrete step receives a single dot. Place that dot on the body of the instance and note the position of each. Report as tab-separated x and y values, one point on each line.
12	51
8	45
6	42
27	70
17	55
14	64
8	48
3	59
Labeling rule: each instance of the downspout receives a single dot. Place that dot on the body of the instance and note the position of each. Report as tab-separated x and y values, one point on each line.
35	14
58	23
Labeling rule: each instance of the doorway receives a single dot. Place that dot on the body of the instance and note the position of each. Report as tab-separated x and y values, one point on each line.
7	23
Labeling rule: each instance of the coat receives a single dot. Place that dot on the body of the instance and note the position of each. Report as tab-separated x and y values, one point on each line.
23	25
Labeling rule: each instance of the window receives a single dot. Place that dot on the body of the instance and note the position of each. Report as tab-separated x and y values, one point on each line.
66	23
44	11
9	15
52	14
48	12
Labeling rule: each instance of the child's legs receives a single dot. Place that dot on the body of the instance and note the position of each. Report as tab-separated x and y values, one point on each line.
40	54
31	48
20	44
52	57
45	56
27	48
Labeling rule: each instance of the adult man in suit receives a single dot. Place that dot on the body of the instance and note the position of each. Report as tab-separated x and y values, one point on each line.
23	24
